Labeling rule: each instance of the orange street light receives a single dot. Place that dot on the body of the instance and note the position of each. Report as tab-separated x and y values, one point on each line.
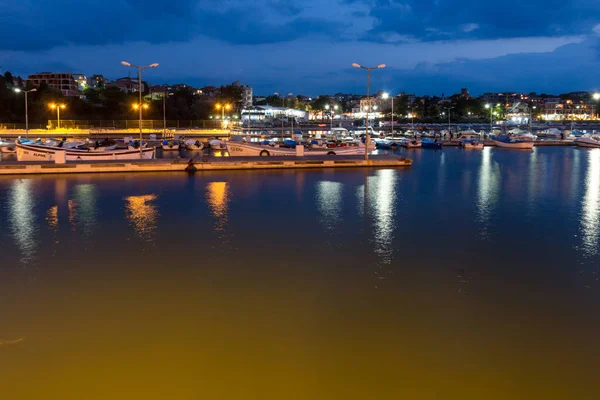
137	106
223	107
57	107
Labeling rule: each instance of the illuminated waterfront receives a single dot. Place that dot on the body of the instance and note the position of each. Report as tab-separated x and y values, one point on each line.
471	275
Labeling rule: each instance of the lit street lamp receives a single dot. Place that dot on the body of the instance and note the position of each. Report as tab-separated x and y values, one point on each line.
335	107
140	68
596	96
165	95
491	116
449	112
26	109
57	107
368	138
222	107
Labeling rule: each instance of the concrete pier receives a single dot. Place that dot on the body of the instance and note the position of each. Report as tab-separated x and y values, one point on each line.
203	164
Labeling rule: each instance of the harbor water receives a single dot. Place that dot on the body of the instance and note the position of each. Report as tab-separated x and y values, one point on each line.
471	275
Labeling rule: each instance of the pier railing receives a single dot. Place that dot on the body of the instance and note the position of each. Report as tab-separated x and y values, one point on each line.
134	123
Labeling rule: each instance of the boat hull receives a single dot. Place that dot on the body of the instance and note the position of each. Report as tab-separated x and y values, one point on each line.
42	153
253	150
514	145
7	149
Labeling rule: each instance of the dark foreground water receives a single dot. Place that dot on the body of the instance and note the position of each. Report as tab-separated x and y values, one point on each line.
473	275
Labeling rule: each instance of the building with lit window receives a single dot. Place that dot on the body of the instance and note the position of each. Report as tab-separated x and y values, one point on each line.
62	81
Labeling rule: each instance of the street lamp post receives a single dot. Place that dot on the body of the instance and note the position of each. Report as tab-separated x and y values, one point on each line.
491	116
368	138
596	96
140	68
222	107
386	96
531	117
448	110
165	95
57	107
26	109
331	113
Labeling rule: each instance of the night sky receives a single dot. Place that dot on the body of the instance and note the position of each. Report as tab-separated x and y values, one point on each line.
307	47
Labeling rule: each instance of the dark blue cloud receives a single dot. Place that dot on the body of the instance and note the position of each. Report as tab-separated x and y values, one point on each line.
481	19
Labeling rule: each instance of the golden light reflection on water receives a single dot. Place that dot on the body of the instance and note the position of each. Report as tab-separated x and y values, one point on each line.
217	197
22	217
590	218
143	215
488	190
52	218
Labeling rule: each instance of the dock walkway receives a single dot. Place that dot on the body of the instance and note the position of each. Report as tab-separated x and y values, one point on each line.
202	164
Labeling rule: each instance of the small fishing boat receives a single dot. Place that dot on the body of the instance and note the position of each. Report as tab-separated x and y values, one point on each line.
512	143
471	144
27	152
194	145
385	144
7	147
431	144
170	145
410	143
588	141
217	144
254	149
468	134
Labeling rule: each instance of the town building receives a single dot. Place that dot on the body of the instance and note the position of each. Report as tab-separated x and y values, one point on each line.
557	109
81	81
127	85
62	81
97	82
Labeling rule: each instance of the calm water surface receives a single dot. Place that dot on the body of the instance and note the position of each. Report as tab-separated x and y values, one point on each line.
472	275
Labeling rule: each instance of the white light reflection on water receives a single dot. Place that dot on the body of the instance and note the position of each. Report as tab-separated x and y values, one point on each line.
383	203
590	223
218	196
22	217
143	215
488	190
84	212
329	204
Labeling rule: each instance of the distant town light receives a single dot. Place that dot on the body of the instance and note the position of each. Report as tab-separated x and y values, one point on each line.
487	106
596	96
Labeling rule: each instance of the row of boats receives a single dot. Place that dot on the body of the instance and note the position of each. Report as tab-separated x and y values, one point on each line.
129	149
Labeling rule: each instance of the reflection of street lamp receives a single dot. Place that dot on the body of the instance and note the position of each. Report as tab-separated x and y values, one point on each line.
140	89
26	112
57	107
368	138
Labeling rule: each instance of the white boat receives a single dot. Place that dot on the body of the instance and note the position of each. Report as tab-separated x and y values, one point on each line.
46	153
512	143
551	132
170	145
253	150
471	144
194	145
410	143
468	134
7	147
588	141
522	135
217	144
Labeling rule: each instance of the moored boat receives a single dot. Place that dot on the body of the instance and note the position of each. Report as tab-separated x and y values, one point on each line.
410	143
194	145
46	153
471	144
7	147
217	144
170	145
588	141
431	144
253	150
512	143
